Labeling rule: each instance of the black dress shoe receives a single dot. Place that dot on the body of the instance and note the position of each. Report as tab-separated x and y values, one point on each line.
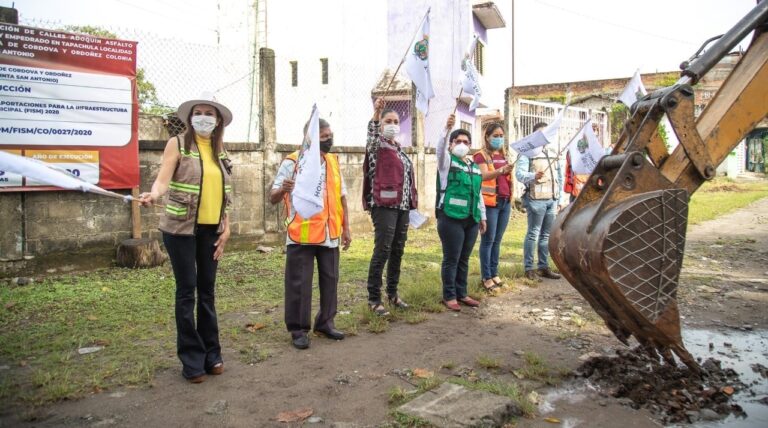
300	342
331	334
549	273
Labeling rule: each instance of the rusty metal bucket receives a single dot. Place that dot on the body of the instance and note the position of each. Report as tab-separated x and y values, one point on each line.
620	244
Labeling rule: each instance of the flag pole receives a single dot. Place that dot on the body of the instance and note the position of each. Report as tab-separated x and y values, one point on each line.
406	51
458	98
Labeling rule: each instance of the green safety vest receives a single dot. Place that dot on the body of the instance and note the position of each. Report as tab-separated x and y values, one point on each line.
462	190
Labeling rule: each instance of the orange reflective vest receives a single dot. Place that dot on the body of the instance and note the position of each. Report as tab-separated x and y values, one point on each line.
489	187
312	231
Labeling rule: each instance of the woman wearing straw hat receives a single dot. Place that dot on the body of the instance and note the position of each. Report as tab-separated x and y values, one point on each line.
196	172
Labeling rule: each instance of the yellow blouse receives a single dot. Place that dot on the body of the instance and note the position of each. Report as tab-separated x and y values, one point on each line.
212	192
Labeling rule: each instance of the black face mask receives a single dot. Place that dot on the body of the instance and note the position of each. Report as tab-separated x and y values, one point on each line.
325	146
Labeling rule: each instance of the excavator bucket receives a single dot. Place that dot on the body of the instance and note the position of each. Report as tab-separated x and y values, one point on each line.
624	254
621	242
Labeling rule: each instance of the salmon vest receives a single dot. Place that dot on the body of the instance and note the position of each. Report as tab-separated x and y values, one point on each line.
547	187
459	199
386	188
490	187
184	191
312	231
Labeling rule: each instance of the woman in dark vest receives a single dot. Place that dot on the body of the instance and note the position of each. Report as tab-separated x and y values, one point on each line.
389	193
460	212
196	172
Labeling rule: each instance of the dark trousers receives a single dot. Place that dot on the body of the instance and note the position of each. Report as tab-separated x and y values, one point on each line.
299	269
197	341
390	233
458	238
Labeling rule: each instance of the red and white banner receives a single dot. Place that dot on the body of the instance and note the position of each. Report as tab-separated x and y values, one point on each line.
69	99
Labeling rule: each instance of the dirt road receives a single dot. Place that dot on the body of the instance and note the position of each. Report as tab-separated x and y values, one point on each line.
724	288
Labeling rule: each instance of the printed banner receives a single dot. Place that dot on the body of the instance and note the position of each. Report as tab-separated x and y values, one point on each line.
71	100
10	179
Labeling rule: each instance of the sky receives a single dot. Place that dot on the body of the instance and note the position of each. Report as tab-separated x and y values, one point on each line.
554	40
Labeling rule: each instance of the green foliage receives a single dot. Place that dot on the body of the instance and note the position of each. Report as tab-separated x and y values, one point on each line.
667	80
148	101
663	134
618	115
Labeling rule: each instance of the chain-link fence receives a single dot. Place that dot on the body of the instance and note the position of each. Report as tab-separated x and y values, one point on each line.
171	71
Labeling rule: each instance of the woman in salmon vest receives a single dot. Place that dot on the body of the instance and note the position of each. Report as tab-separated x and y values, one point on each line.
389	193
497	193
460	212
197	170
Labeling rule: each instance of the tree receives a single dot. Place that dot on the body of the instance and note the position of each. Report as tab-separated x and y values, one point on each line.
148	101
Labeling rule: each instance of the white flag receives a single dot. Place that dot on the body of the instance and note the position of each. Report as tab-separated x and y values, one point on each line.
530	146
585	151
50	175
469	77
633	91
308	191
417	67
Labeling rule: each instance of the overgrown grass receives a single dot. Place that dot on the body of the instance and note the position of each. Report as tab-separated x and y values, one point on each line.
721	196
488	363
130	312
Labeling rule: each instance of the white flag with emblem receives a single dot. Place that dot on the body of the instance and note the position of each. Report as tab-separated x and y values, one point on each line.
307	196
417	67
530	145
585	151
470	83
633	91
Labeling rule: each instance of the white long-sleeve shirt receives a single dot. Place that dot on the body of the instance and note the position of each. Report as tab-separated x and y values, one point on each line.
444	165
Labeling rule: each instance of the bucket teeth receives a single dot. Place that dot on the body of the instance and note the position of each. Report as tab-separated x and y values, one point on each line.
627	267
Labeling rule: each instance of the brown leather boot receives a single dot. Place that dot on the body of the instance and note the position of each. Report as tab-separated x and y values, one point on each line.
549	273
531	275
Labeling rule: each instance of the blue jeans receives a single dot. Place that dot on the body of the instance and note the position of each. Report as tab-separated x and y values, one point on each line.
541	214
490	241
458	238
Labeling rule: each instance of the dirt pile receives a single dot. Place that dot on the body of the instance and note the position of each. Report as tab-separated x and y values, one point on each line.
674	394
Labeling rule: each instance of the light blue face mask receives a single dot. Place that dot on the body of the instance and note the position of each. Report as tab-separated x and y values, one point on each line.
497	142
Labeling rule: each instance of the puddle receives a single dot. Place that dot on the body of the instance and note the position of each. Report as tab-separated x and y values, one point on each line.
746	348
579	403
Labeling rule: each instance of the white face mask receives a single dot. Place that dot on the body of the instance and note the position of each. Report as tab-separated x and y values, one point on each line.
203	125
390	131
460	150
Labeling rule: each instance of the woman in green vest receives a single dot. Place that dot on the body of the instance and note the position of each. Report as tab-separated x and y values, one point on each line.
460	212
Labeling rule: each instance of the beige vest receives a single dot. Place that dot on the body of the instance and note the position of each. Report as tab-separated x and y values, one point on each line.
184	192
547	186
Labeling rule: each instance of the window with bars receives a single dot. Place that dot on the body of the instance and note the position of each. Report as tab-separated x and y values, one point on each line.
479	56
465	126
294	73
324	70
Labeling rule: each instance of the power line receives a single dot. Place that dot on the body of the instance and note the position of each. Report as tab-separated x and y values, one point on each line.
613	24
155	12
